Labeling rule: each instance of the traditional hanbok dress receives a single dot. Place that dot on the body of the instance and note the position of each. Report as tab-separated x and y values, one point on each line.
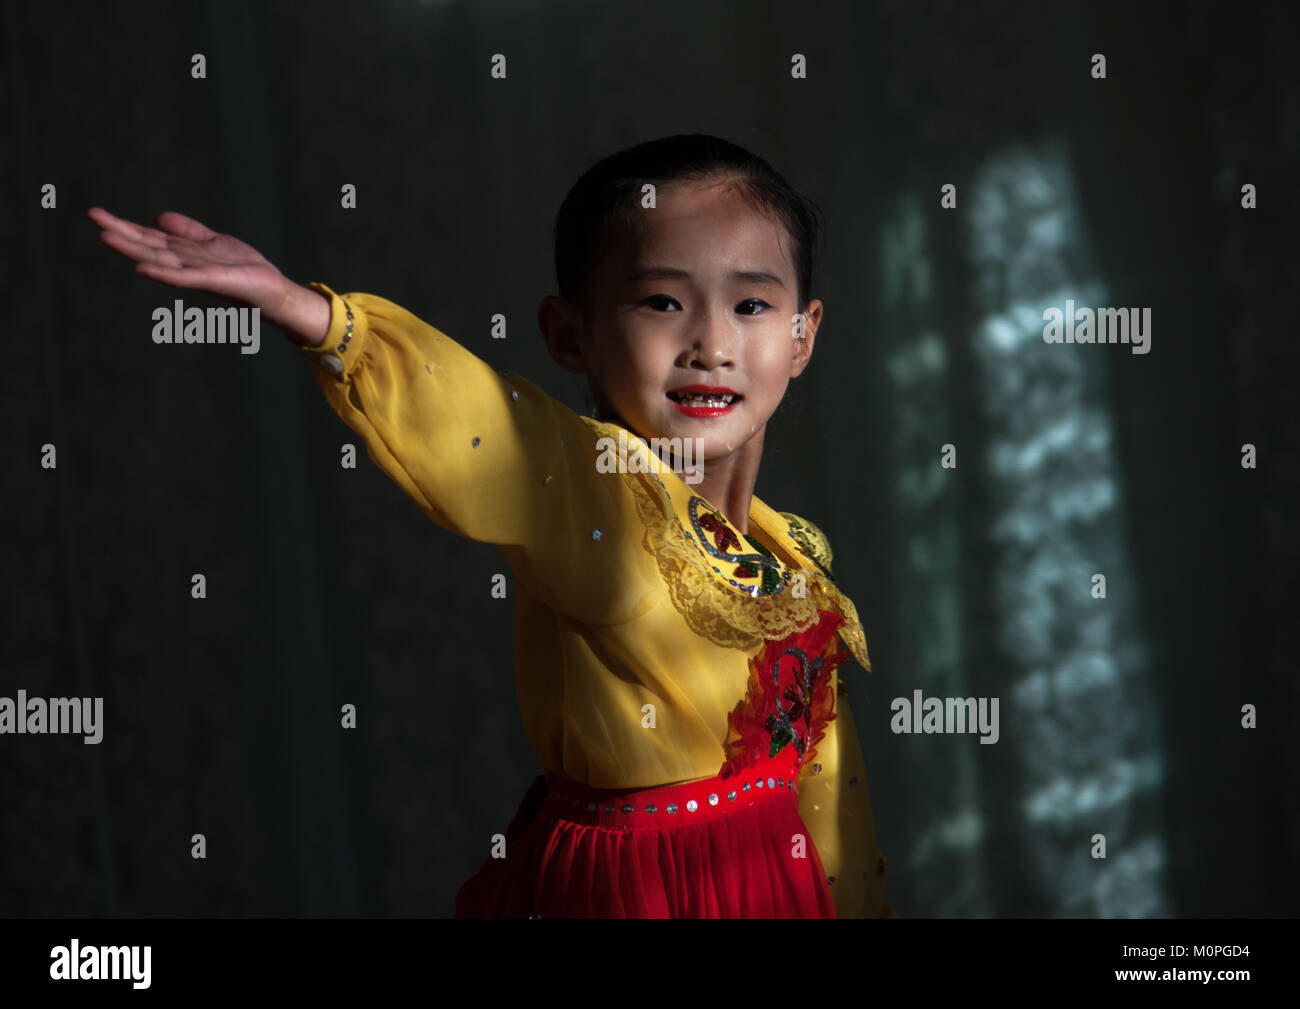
678	680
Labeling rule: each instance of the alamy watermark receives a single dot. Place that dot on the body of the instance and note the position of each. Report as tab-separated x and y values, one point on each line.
684	456
179	324
37	716
75	962
1105	325
946	715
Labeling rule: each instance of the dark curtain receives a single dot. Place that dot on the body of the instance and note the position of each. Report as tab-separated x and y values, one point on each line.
1120	716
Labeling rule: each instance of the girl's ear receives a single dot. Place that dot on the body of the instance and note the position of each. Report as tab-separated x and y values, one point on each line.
802	353
561	324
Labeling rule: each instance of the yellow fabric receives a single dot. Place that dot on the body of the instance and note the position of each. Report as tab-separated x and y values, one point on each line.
630	650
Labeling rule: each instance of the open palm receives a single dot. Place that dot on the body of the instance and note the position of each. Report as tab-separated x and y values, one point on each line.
185	253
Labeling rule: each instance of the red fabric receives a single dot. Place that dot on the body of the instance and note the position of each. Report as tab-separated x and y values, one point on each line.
791	690
739	859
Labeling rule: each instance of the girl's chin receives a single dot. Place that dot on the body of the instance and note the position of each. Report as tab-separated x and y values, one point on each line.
712	433
711	436
709	439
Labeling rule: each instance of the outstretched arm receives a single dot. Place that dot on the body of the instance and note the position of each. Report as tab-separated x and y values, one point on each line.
183	252
489	457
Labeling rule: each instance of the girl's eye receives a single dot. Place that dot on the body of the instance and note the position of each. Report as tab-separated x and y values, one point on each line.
662	302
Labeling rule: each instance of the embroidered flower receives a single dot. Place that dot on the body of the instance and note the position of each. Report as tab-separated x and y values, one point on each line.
723	537
789	701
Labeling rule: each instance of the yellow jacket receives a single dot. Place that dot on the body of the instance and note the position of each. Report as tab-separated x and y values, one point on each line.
631	647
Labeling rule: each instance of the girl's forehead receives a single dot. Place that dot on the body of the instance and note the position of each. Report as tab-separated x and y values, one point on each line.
716	198
692	216
699	228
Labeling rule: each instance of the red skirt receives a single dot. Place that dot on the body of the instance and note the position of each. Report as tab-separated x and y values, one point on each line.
731	847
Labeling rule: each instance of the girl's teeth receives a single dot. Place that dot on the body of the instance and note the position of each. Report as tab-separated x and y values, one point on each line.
706	401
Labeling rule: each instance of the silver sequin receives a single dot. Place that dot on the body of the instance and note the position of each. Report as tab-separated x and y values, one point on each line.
629	808
651	808
596	534
475	442
692	805
713	798
731	796
672	807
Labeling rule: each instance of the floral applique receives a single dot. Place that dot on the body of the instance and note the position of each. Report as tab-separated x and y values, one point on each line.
723	537
771	579
725	548
790	700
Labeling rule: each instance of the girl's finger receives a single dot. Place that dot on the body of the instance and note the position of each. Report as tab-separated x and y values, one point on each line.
186	227
128	229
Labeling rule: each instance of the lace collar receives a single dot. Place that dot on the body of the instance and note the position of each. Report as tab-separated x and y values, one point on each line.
716	600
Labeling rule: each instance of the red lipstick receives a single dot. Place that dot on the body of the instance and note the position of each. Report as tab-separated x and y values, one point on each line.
704	400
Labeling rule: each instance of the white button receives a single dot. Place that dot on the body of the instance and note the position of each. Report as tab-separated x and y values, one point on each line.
332	363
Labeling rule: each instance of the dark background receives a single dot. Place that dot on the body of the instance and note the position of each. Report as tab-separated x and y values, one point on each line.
327	586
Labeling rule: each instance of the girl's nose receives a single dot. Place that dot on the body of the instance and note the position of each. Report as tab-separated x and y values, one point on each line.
709	357
712	343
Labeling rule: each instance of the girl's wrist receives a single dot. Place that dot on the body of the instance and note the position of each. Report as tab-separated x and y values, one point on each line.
304	314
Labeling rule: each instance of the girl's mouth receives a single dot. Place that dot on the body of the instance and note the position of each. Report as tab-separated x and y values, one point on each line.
704	401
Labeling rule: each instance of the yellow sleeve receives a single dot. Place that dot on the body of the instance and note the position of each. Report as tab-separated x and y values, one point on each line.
486	456
835	804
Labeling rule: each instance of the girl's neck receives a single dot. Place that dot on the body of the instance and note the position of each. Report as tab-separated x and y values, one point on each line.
728	483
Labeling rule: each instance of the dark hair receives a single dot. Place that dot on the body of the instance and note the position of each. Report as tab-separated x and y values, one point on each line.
607	197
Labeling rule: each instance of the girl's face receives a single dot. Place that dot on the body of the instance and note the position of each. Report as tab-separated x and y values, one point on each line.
703	295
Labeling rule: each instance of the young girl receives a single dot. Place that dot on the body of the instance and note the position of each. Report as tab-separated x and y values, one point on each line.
677	640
